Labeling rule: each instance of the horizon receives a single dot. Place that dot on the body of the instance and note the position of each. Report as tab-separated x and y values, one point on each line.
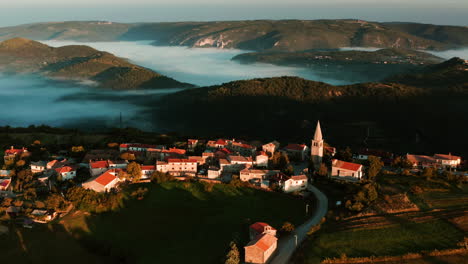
440	14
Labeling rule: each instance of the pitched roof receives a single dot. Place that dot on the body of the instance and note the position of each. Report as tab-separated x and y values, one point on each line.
148	167
221	142
259	227
39	163
263	242
181	160
299	177
175	150
106	178
14	151
65	169
318	132
420	158
297	147
99	164
346	165
446	157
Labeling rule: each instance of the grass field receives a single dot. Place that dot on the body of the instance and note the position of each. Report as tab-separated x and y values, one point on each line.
439	225
176	223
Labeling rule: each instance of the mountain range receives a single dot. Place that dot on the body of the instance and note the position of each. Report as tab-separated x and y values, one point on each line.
258	35
79	63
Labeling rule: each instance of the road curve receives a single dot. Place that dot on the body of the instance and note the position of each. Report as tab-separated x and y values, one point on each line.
287	245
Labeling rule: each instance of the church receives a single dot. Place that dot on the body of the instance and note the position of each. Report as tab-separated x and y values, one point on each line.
316	149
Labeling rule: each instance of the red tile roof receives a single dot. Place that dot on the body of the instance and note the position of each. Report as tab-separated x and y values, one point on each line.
259	227
446	157
221	142
14	151
346	165
106	177
297	147
148	167
299	177
65	169
4	183
175	150
263	242
99	164
182	160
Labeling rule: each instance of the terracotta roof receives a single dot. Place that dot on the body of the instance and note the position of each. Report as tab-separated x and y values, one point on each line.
175	150
106	177
299	177
65	169
221	142
446	157
297	147
182	160
346	165
123	145
148	167
99	164
240	159
225	150
420	158
14	151
4	183
259	227
263	242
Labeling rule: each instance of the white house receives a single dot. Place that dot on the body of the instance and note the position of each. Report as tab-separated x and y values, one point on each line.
147	171
261	160
249	174
98	167
448	160
178	167
67	172
214	172
38	166
271	147
103	182
346	170
297	151
295	183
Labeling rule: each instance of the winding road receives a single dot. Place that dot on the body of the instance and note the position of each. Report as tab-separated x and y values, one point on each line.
287	245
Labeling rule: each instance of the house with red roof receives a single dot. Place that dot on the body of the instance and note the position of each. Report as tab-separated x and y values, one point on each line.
448	160
192	144
4	184
297	151
103	182
147	171
67	172
260	228
347	170
422	161
242	148
98	167
12	153
263	245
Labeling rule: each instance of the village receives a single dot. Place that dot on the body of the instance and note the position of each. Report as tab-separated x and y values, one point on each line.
291	169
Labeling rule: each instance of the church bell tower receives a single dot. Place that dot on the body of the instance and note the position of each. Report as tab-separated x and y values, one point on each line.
317	147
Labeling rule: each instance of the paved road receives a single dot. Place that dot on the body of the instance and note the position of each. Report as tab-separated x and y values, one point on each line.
287	245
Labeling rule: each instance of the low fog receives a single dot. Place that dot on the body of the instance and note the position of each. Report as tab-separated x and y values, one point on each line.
32	100
199	66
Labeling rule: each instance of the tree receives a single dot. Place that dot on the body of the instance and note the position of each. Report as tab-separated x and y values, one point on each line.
160	177
233	256
134	172
30	194
77	149
375	165
345	155
23	180
323	171
402	162
287	227
127	156
428	173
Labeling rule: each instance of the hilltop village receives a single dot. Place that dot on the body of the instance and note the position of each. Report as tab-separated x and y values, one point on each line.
100	174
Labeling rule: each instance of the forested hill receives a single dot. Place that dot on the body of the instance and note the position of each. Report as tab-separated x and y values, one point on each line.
279	35
387	115
21	55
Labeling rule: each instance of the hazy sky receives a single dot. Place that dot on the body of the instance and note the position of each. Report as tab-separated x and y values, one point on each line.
450	12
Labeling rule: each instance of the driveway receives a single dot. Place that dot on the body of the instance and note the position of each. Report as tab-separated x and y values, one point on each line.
287	245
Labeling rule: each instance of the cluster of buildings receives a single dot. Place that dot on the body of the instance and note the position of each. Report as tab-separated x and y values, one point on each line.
435	161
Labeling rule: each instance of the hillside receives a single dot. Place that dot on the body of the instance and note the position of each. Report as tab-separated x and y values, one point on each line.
349	65
386	115
279	35
21	55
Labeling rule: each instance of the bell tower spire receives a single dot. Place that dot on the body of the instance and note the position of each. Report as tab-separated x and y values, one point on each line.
317	147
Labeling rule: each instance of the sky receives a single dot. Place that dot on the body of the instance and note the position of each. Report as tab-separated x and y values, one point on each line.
448	12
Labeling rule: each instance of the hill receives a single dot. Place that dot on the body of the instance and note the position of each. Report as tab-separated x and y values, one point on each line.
350	65
21	55
279	35
388	115
174	217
